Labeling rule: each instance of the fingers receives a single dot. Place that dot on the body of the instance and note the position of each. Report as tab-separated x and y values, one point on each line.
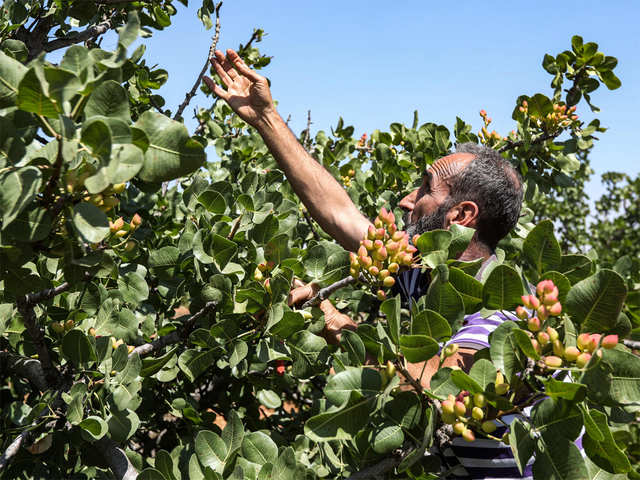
242	67
224	75
216	89
302	293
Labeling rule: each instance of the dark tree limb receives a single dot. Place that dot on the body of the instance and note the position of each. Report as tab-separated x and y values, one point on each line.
324	293
90	33
25	367
117	459
377	471
176	336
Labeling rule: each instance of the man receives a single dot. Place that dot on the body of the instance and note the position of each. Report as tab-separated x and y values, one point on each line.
473	187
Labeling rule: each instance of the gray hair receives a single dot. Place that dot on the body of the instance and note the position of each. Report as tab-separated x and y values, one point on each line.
495	186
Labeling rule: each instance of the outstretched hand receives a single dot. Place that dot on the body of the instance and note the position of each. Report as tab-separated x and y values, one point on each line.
247	92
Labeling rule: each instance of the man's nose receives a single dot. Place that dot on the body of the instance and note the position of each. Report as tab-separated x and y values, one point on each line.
409	202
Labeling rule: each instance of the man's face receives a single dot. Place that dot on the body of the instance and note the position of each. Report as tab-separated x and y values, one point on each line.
427	206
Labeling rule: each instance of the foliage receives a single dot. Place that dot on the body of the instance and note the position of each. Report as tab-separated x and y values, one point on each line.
134	322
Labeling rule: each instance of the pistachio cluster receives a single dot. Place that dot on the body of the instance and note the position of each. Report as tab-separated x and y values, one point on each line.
346	179
119	228
546	341
466	413
484	135
382	252
561	116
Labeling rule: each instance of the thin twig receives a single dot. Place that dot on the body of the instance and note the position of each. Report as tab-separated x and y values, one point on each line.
306	139
176	336
539	139
191	93
307	217
324	293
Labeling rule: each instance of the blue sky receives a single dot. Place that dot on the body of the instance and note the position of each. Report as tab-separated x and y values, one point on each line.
376	62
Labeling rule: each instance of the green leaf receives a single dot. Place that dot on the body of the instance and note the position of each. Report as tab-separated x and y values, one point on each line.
309	353
269	398
91	222
11	72
391	308
434	240
122	425
33	95
171	153
150	474
483	372
596	301
465	382
468	287
286	467
605	452
388	439
558	459
503	289
133	287
575	267
223	250
211	450
431	324
258	448
151	366
504	352
444	299
352	344
442	385
95	426
213	201
18	188
195	362
460	238
524	342
615	379
521	443
31	225
557	418
418	348
109	99
340	423
574	392
232	434
365	381
77	347
239	353
541	248
316	261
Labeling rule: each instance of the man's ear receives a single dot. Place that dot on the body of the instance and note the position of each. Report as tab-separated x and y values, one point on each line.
464	213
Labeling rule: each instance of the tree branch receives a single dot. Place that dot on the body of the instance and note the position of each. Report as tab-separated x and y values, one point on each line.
116	459
307	217
26	367
539	139
90	33
191	93
324	293
378	470
176	336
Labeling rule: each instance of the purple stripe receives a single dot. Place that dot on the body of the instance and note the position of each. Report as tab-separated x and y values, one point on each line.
483	321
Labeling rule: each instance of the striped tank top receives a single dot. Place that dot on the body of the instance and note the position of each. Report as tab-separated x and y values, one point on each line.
484	458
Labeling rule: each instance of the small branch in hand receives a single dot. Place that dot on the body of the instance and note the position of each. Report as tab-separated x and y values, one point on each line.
326	292
176	336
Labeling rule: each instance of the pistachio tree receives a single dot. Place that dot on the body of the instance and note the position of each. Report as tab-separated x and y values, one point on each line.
144	325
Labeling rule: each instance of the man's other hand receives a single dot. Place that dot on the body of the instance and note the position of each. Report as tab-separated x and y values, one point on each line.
334	320
247	93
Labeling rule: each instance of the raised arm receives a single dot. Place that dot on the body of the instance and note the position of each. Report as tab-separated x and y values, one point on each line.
248	94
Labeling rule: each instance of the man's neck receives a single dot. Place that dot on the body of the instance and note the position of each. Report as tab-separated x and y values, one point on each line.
474	251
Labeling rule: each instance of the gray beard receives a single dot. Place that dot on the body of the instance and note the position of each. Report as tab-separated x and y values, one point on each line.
426	223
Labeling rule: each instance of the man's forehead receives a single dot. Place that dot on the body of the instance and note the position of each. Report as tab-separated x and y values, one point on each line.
450	165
